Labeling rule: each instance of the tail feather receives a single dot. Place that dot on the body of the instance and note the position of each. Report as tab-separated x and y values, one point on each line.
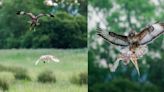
134	61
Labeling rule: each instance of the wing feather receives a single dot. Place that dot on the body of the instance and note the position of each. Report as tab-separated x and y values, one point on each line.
149	34
36	63
41	15
25	13
113	38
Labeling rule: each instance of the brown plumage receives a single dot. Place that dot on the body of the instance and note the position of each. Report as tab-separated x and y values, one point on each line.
133	40
34	18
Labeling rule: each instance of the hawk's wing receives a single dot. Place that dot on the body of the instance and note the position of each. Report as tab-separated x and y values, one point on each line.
25	13
41	15
113	38
150	33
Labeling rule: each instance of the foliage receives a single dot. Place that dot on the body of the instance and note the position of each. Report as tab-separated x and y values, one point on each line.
46	76
81	79
6	78
19	72
123	85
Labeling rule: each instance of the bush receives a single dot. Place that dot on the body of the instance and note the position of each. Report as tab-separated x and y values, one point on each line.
6	78
81	79
149	88
46	76
123	85
19	72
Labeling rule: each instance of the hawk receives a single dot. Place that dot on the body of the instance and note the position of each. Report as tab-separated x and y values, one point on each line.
133	40
34	18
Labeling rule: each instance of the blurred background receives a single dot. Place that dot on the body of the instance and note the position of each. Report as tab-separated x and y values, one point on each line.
64	36
121	16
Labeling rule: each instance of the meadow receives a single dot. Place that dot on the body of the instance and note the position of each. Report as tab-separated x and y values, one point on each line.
72	62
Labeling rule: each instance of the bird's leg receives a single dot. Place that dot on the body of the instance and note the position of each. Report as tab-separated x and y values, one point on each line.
32	26
37	22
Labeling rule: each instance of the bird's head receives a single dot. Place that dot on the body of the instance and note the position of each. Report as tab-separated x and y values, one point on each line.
132	33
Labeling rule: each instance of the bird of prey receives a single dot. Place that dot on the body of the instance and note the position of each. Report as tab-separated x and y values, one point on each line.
34	18
134	40
47	58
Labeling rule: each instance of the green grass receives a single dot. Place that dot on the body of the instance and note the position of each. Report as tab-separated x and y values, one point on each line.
73	61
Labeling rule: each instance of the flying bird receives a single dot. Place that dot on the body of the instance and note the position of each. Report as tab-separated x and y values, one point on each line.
34	18
133	40
47	58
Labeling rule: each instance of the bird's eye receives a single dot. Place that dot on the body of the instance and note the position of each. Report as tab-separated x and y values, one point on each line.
151	28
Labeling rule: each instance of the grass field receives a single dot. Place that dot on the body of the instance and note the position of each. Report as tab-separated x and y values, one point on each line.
73	61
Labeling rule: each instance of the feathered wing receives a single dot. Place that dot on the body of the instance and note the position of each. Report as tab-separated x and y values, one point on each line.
152	32
41	15
25	13
36	63
113	38
55	60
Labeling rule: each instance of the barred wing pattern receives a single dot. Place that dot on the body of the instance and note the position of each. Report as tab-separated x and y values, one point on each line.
41	15
25	13
113	38
151	33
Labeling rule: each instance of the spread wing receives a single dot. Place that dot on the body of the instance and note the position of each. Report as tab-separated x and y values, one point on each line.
55	60
36	63
25	13
150	33
41	15
113	38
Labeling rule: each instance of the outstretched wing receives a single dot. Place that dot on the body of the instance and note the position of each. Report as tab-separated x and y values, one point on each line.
41	15
55	60
25	13
113	38
150	33
36	63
